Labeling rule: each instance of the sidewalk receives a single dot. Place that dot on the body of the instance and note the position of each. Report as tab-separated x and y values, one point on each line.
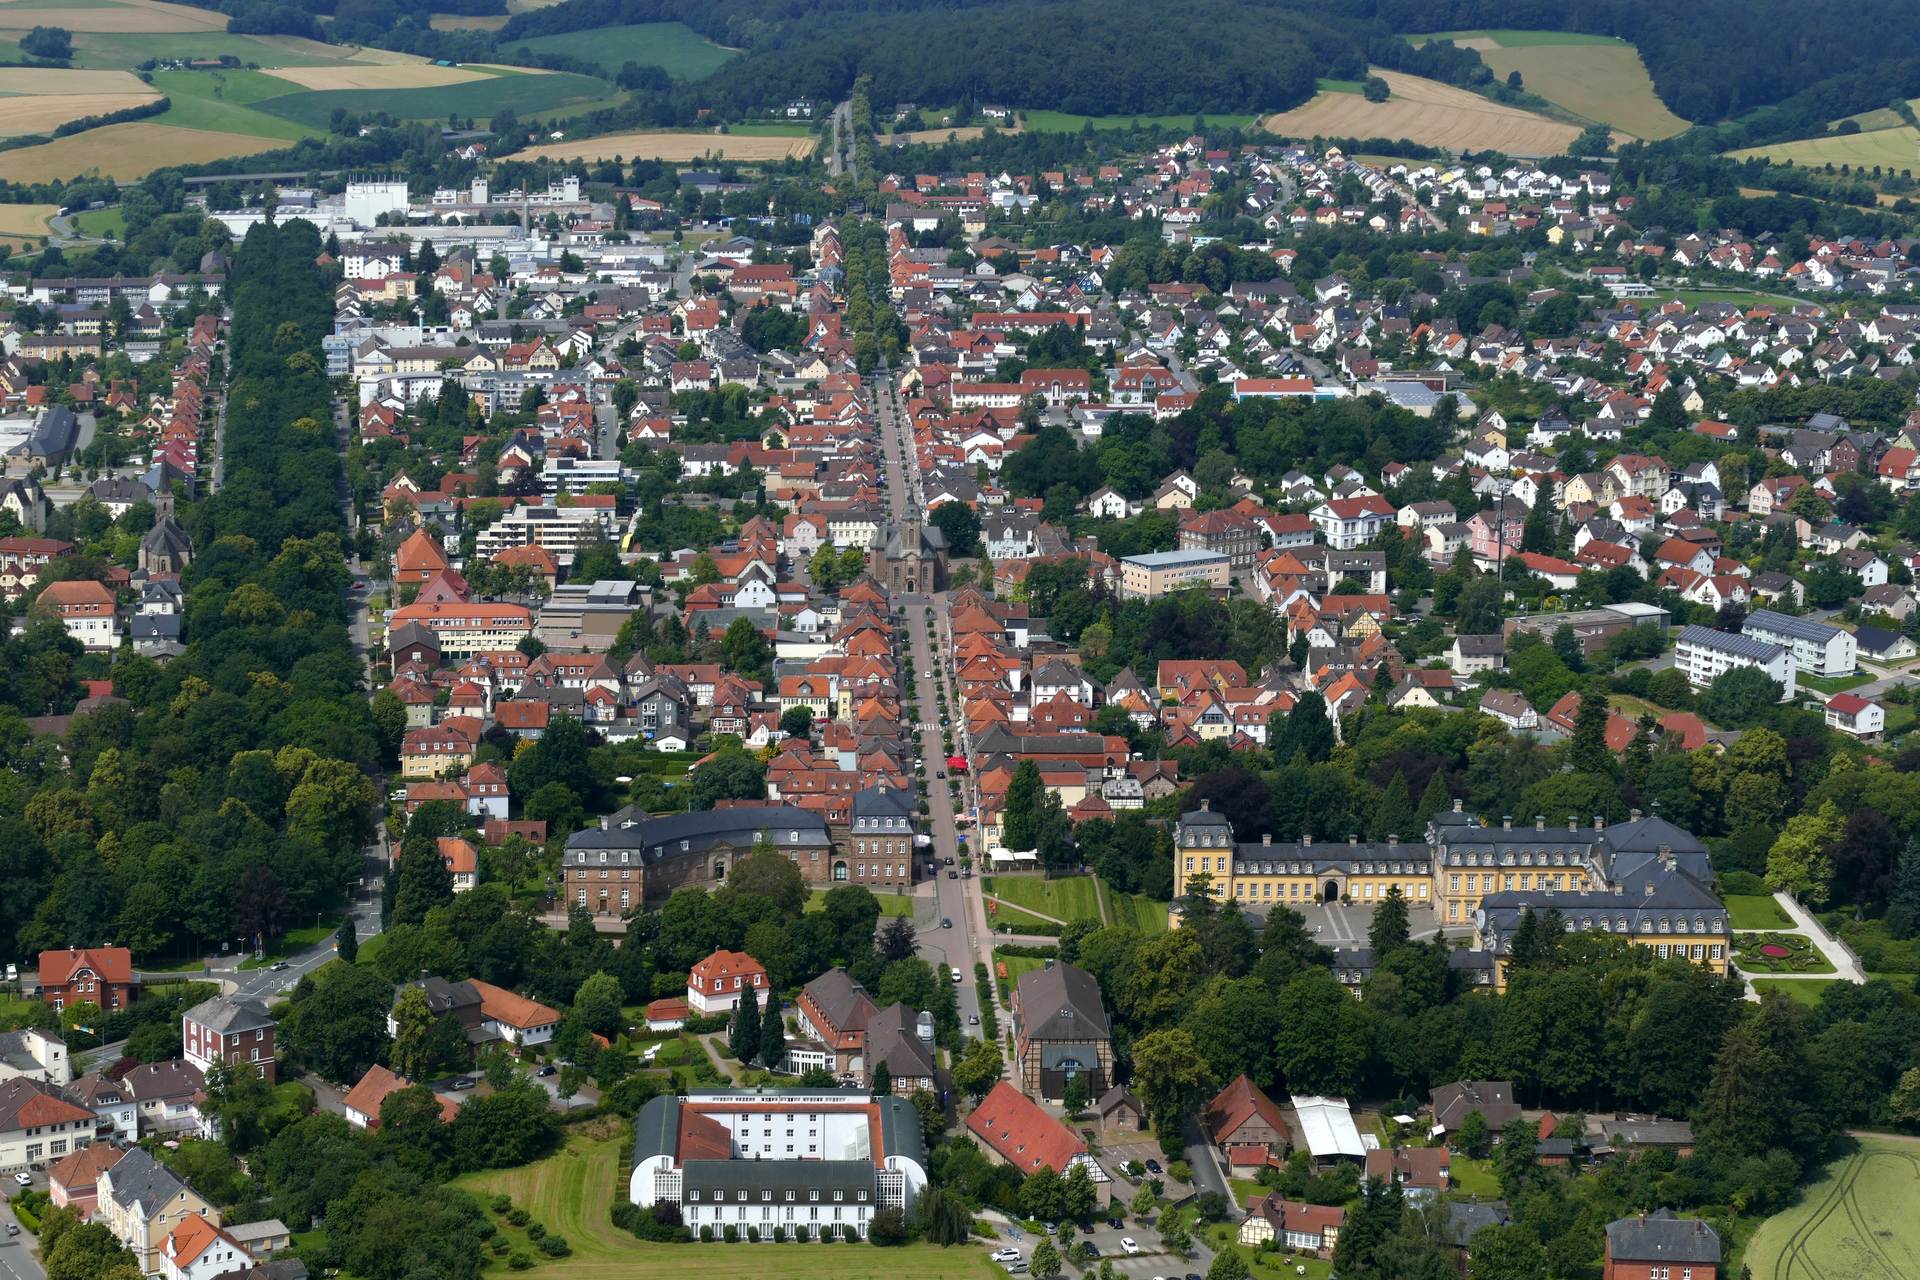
1837	955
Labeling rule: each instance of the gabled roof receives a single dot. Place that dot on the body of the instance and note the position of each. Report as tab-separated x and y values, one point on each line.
1240	1101
1061	1002
1021	1133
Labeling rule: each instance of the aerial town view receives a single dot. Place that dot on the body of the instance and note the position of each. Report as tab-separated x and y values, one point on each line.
1055	639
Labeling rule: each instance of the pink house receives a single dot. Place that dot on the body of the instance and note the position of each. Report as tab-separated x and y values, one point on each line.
1494	534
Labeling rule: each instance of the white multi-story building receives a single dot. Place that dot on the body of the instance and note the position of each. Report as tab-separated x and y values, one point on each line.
561	530
1817	649
763	1162
1705	655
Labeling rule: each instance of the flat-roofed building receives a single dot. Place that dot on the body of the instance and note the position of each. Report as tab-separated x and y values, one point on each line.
1156	573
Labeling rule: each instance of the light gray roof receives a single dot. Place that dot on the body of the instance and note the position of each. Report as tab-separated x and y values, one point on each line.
840	1000
1061	1002
892	1039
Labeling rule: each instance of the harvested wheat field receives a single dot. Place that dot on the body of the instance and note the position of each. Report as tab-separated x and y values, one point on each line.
469	22
355	75
37	80
1427	112
671	147
45	112
25	219
126	152
121	16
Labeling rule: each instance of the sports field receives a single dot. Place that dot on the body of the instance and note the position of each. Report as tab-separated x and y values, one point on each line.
1895	149
125	152
1427	112
1856	1223
684	53
670	146
1594	77
571	1195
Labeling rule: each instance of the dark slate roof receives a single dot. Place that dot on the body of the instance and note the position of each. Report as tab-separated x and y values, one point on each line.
656	1130
881	804
1661	1238
657	838
709	1179
1463	1218
231	1013
1060	1002
840	1000
140	1179
1725	642
893	1038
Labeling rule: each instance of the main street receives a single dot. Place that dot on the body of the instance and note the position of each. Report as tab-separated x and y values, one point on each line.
969	940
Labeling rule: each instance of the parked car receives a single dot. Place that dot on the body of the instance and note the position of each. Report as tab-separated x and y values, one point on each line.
1006	1254
547	1070
1153	1166
1129	1244
24	1179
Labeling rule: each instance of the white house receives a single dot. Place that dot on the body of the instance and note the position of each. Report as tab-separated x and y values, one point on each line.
1705	655
1852	714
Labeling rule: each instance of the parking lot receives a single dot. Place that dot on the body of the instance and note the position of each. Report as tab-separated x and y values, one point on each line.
1152	1261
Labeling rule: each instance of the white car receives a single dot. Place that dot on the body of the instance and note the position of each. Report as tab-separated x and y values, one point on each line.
1129	1244
1007	1254
24	1179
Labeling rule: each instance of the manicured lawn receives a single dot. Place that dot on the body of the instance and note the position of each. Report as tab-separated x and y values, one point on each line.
1836	684
999	913
294	941
369	949
1802	956
1805	991
571	1194
1066	899
891	904
1137	910
1015	965
1856	1220
1474	1177
1737	297
1754	911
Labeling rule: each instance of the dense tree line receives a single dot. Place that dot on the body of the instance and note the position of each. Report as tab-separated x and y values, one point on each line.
226	797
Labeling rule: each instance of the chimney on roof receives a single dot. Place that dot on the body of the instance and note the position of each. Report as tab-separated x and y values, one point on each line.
1633	815
1206	805
1266	838
1352	840
1539	822
1573	823
1393	842
1506	822
1458	805
1306	839
1599	823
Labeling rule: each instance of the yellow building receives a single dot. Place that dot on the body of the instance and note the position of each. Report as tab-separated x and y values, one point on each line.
1644	879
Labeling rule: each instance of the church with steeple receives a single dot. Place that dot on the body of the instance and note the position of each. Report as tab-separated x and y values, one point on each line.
166	550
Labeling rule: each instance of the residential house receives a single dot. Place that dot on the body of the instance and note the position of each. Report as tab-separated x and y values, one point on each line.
167	1096
1855	716
1493	1099
718	983
97	975
1661	1246
73	1181
1423	1174
141	1202
38	1123
1016	1131
236	1030
1060	1031
1292	1225
1242	1116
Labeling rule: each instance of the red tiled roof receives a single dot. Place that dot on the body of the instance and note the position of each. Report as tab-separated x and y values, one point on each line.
1022	1134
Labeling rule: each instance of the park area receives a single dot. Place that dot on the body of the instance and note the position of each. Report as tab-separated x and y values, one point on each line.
1778	953
1427	112
1856	1222
572	1193
1755	911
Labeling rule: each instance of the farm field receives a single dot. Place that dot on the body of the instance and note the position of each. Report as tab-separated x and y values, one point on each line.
1062	122
120	15
128	49
1594	77
223	102
671	146
125	152
367	75
1427	112
1894	149
101	222
18	222
468	21
683	52
527	94
39	99
1071	898
571	1194
1855	1223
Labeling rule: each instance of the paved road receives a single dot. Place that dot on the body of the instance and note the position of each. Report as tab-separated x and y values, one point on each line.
17	1258
840	138
969	940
